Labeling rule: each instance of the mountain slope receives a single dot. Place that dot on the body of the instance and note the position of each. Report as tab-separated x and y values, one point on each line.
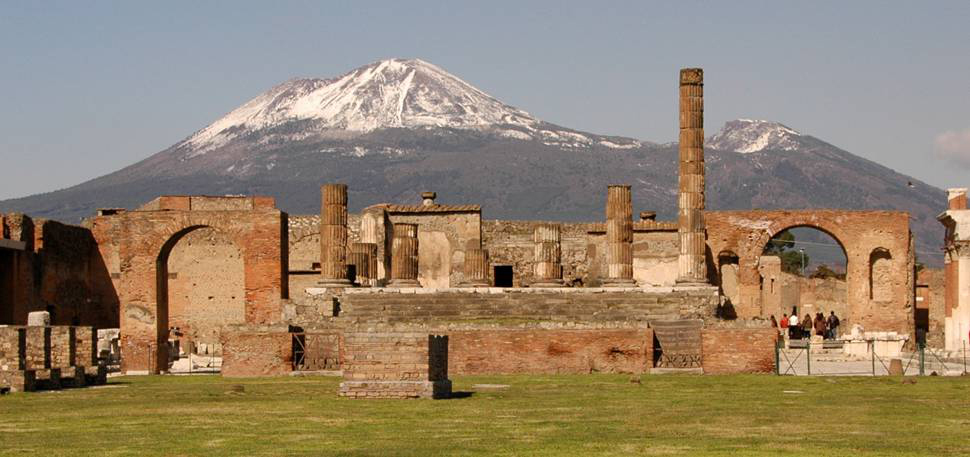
395	128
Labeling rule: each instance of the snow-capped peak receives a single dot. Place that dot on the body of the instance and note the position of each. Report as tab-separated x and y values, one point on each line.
750	135
390	93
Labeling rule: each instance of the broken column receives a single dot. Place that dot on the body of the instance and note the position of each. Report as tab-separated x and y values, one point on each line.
404	256
619	237
548	256
333	236
362	256
476	267
692	268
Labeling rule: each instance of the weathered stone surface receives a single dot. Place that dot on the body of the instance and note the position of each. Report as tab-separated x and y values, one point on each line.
738	350
552	351
691	262
404	256
863	235
619	236
385	363
39	319
142	240
256	351
333	235
548	269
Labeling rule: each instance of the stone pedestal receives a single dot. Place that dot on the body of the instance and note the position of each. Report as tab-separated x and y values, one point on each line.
404	256
548	256
476	268
619	237
392	364
363	256
333	236
692	267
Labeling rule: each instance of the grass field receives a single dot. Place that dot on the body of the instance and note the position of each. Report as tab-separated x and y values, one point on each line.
536	415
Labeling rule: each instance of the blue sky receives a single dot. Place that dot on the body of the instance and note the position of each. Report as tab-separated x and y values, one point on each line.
90	87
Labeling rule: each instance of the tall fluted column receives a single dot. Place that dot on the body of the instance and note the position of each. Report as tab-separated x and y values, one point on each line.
619	237
548	256
333	235
691	263
476	267
404	256
362	256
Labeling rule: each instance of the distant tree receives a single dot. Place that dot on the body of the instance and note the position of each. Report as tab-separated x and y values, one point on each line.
824	272
783	246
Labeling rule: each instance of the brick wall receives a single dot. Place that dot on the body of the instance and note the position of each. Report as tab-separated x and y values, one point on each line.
738	350
62	346
11	347
256	351
38	352
387	363
494	351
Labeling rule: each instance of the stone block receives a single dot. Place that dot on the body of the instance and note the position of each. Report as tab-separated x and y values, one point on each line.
39	319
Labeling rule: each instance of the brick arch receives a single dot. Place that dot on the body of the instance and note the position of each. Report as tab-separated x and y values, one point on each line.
857	232
147	236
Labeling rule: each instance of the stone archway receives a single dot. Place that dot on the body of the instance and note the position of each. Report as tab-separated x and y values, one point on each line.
201	289
147	235
857	232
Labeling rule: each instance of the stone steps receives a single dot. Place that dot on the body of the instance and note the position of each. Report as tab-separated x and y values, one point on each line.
551	307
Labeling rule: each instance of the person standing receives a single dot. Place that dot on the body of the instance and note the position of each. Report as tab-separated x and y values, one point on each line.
833	324
820	324
793	328
807	326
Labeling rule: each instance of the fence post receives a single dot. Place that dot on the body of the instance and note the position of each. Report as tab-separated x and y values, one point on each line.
922	359
808	358
872	355
778	344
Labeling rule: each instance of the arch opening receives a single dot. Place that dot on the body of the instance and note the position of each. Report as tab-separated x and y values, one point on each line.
802	271
201	288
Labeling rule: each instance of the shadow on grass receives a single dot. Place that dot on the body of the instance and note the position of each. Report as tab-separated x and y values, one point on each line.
458	395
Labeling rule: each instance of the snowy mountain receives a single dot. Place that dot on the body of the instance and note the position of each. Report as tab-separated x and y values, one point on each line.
388	94
748	135
395	128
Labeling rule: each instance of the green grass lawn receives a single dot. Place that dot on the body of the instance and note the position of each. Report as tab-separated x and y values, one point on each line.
536	415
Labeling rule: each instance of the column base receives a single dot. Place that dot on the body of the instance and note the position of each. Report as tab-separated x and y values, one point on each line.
619	282
402	283
335	283
691	282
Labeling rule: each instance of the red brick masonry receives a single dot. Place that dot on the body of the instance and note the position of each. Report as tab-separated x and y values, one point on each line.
738	350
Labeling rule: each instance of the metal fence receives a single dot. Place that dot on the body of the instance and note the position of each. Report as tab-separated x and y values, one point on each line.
806	361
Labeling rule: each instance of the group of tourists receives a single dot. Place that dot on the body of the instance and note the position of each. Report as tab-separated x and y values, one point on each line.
826	327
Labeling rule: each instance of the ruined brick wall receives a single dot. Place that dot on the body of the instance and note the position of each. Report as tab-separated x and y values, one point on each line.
512	243
256	351
863	234
135	241
550	351
388	363
11	348
17	293
206	286
38	351
74	284
304	250
62	346
655	248
738	350
931	305
442	238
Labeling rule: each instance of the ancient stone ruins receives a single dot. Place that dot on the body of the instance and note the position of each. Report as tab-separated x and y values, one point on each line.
400	295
